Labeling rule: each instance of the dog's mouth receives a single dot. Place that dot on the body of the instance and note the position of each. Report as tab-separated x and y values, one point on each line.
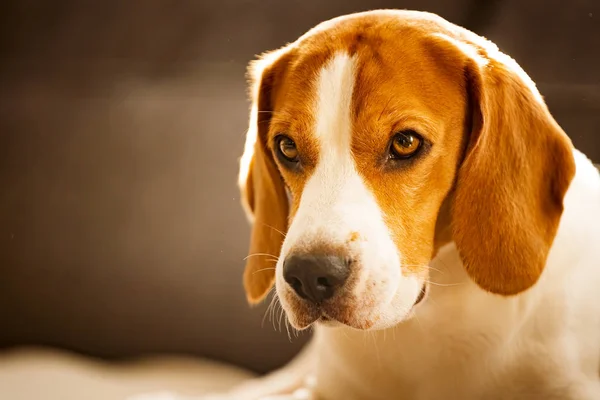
422	294
333	318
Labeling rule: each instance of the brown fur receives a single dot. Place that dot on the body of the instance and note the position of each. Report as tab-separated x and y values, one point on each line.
264	193
496	171
510	187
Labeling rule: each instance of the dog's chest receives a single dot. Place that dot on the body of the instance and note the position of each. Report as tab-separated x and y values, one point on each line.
419	363
372	368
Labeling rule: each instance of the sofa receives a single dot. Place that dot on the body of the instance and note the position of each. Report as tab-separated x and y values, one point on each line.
122	238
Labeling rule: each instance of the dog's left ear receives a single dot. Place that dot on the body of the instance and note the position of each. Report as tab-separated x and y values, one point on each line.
263	193
510	187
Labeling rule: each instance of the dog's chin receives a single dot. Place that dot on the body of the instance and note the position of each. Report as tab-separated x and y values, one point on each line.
305	315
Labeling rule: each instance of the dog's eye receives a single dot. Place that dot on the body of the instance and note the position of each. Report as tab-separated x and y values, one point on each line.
405	144
287	148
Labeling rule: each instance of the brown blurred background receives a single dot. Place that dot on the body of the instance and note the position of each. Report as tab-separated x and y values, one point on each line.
121	123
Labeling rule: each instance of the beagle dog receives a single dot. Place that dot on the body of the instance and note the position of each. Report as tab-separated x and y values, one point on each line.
414	202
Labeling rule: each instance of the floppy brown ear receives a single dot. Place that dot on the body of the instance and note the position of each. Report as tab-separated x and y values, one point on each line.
510	187
263	192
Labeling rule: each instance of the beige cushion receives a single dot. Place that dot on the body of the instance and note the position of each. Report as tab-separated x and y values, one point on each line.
34	374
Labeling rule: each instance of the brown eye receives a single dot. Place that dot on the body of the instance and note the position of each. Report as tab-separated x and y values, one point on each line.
405	144
287	148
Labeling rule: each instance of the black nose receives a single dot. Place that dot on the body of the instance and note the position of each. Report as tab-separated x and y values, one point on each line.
315	277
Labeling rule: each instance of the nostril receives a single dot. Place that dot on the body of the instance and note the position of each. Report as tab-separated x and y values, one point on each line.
323	282
296	284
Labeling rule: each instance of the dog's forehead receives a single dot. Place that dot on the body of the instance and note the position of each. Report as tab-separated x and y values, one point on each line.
393	68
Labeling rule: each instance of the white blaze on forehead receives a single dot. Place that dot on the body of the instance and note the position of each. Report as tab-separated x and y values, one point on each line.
334	101
335	204
335	200
335	176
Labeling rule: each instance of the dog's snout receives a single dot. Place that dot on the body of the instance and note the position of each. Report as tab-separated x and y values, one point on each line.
315	277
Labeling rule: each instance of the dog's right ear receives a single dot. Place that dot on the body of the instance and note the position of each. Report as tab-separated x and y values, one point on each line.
511	185
263	193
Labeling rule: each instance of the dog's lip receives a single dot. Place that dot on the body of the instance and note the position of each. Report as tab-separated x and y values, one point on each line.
324	318
319	314
422	294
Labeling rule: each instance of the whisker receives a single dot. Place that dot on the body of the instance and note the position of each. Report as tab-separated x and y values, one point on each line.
280	318
273	311
445	284
275	229
434	269
287	328
269	307
264	269
441	261
260	254
423	266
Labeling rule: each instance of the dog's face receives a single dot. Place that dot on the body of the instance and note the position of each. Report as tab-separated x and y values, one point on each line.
377	137
368	153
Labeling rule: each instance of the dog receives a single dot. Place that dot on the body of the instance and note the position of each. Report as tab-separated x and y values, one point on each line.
430	220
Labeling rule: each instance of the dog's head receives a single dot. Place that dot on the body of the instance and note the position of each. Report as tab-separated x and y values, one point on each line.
374	139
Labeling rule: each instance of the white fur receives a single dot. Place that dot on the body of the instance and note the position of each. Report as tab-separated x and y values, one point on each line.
463	343
335	202
467	344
